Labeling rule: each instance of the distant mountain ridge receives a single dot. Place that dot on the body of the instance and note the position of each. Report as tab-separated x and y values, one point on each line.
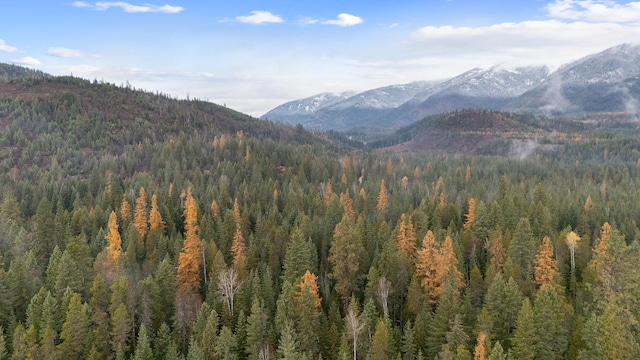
602	82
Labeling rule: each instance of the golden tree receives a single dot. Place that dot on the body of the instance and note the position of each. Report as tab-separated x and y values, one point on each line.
238	246
347	205
480	352
382	197
406	238
215	210
546	266
428	266
440	193
125	209
328	194
467	174
471	214
156	224
449	262
389	167
140	214
114	242
309	283
188	277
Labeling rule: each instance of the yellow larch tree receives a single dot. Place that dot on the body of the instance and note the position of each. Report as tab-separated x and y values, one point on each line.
406	238
238	246
480	351
471	214
125	209
140	214
114	242
467	174
497	252
188	276
440	193
328	194
588	203
382	197
449	262
363	194
309	283
347	205
427	266
546	266
156	224
389	167
215	210
346	163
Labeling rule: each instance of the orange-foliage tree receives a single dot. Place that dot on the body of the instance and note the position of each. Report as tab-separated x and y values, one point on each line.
382	197
156	224
406	238
140	214
546	266
114	242
188	277
238	246
471	214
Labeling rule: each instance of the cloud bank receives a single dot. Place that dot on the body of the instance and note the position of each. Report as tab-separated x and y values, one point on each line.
129	8
344	20
260	17
7	48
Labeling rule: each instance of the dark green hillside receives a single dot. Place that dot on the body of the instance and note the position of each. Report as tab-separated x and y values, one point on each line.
136	226
468	131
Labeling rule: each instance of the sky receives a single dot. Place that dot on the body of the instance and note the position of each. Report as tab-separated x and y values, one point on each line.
257	54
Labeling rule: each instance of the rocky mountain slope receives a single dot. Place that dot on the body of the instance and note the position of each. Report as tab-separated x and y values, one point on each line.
608	81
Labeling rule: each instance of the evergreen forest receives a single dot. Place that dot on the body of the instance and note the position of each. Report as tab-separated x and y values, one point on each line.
138	226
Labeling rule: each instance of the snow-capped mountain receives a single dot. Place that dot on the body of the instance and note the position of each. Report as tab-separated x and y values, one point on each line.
607	81
297	111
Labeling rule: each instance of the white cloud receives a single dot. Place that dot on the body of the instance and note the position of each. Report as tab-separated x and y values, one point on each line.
552	42
345	20
26	61
130	8
7	48
65	52
260	17
594	10
306	20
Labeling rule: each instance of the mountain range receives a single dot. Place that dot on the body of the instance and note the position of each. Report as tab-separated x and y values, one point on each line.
608	81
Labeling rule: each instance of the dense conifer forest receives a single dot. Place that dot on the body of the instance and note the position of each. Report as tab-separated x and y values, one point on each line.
136	226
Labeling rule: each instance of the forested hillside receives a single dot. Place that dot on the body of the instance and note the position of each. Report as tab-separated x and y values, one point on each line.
134	226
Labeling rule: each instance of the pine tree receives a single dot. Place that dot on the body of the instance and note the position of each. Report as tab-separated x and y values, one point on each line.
381	342
75	330
344	256
546	266
256	329
226	345
3	345
188	276
143	345
503	302
524	337
551	324
287	347
121	328
140	214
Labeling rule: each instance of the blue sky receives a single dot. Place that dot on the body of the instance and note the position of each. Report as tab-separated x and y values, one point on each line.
255	55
